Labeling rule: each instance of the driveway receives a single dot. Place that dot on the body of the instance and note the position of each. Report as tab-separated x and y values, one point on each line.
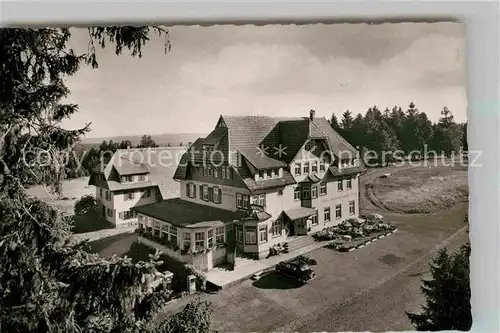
275	302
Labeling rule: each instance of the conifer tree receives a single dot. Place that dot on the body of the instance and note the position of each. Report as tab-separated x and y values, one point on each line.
447	294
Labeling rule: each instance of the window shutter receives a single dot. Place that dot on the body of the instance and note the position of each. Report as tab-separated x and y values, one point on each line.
121	214
194	191
201	191
187	190
220	195
210	194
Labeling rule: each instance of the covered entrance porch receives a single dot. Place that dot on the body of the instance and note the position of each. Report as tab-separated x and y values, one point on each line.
296	220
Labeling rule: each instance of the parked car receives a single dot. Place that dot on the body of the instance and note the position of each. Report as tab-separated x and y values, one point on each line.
296	269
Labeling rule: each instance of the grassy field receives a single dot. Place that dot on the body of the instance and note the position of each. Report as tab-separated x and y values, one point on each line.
73	189
423	189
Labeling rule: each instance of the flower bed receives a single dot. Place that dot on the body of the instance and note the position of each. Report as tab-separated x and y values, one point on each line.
353	233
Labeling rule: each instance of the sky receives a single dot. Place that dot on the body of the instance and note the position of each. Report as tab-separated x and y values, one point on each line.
272	70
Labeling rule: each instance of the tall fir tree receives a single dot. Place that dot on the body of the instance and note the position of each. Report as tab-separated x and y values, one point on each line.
447	294
48	281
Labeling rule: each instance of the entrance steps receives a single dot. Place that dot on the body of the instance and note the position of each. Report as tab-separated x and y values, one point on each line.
297	242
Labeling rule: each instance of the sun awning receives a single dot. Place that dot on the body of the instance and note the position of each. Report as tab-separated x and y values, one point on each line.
299	212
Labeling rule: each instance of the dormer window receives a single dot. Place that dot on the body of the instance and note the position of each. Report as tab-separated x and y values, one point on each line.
322	166
127	179
269	173
142	178
314	167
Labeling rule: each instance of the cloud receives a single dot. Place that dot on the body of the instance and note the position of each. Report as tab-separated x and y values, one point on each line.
187	90
294	68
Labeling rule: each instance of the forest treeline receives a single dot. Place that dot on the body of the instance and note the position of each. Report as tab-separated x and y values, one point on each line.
408	131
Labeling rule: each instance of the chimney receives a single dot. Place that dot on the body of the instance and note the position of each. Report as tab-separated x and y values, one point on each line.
311	114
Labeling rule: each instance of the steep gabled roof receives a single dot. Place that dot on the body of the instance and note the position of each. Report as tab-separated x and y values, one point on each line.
159	163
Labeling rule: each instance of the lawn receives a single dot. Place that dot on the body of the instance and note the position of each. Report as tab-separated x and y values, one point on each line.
423	189
73	189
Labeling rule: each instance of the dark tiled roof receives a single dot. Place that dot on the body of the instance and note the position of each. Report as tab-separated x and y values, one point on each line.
345	171
259	216
253	185
117	186
311	179
183	213
126	166
337	143
160	162
259	160
299	212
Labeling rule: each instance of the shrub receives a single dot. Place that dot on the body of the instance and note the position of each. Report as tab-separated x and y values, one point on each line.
86	205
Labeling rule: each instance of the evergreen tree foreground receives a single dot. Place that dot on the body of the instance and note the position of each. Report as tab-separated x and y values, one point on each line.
48	281
447	294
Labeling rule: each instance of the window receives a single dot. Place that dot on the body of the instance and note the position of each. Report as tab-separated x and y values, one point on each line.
314	219
191	190
338	211
110	212
199	240
217	195
246	200
147	193
349	183
186	237
216	173
327	214
297	169
314	191
306	168
142	178
205	192
306	193
280	193
296	193
205	171
322	189
261	174
173	233
100	192
263	234
129	195
259	200
239	200
210	238
322	167
314	167
128	215
211	194
223	173
239	234
269	173
219	235
250	235
352	207
276	228
127	179
108	195
228	173
210	172
340	185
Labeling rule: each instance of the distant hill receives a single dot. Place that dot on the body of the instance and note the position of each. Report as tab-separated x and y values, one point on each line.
175	139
